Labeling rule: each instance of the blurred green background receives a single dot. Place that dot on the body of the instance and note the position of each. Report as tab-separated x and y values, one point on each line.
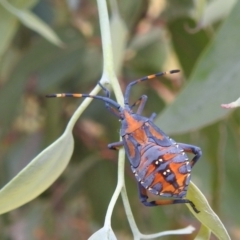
202	40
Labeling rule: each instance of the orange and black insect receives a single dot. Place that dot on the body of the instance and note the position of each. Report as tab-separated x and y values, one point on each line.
160	165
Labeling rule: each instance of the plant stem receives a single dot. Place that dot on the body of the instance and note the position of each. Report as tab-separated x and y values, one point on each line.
109	76
118	189
108	64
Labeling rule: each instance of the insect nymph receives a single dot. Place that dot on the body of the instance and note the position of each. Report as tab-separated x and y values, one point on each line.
160	165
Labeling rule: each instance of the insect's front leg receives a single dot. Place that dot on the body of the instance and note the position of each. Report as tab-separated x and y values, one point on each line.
143	198
152	117
107	92
115	145
141	102
107	105
192	149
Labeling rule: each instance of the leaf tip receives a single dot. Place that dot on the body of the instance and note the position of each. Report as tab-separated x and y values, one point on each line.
229	105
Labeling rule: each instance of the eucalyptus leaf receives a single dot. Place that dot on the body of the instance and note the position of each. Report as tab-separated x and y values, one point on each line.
26	4
203	234
215	11
33	22
187	46
232	104
8	27
206	216
214	81
149	50
9	24
49	66
38	175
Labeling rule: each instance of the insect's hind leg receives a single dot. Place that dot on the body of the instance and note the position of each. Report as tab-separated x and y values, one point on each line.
143	198
192	149
115	145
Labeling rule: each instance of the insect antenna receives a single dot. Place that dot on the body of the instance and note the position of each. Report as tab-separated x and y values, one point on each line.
83	95
129	86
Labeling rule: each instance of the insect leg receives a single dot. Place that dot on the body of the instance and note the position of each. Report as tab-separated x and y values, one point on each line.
143	198
115	145
141	102
192	149
113	110
107	105
153	116
107	92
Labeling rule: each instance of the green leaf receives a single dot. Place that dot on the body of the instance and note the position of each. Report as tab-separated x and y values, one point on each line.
38	175
206	216
51	66
214	81
199	8
187	46
9	24
44	169
203	234
232	104
175	9
149	51
215	11
33	22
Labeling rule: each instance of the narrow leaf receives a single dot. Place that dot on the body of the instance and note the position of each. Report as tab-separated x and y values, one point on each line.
38	175
215	11
203	234
214	81
206	216
33	22
8	26
232	104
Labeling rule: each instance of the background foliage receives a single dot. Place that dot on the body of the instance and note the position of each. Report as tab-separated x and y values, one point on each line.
161	37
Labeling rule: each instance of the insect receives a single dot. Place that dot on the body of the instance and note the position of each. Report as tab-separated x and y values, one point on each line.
160	165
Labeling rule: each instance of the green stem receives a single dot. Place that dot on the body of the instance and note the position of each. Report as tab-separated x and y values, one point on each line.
108	64
108	67
109	74
129	214
120	184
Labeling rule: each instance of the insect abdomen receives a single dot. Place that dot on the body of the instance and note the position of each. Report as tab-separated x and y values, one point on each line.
163	171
